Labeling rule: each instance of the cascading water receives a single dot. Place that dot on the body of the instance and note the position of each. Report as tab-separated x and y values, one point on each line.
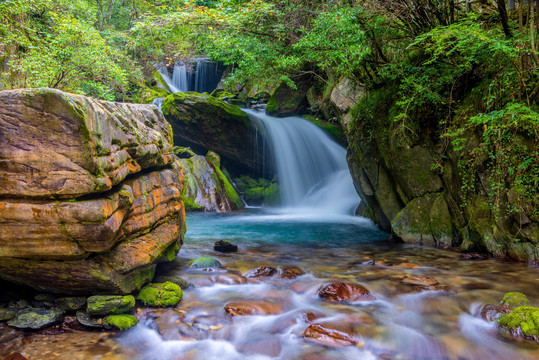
200	75
181	77
312	169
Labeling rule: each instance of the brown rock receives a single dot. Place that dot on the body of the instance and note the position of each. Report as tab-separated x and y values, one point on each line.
288	273
473	256
263	271
239	308
342	292
420	280
230	279
310	316
331	334
91	192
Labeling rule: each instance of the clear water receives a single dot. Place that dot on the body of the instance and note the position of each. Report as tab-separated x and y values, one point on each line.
401	324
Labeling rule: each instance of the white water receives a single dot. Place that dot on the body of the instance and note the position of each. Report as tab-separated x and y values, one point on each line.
200	75
313	174
180	77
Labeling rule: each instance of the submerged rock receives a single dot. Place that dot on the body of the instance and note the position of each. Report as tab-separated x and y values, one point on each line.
164	294
281	273
240	308
331	334
91	192
225	246
32	318
110	304
420	280
342	292
204	262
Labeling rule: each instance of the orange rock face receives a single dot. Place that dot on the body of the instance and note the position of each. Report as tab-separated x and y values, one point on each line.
90	192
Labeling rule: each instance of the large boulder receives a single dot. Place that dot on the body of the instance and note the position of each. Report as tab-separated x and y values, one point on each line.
206	186
90	192
286	101
205	123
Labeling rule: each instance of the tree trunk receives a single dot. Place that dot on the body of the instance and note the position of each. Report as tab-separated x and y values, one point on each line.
503	16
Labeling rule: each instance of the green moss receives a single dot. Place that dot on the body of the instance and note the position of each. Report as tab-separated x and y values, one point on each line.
515	299
122	322
190	204
272	106
172	251
161	294
204	262
523	320
333	129
272	195
230	192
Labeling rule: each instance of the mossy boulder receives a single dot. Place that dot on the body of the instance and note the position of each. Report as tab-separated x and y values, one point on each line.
205	123
34	319
286	101
522	322
160	294
120	322
87	320
204	262
182	283
7	314
515	299
258	192
110	304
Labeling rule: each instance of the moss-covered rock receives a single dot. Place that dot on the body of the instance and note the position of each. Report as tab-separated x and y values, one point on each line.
160	294
258	192
204	262
184	284
7	314
515	299
31	318
87	320
286	101
120	322
110	304
523	321
205	123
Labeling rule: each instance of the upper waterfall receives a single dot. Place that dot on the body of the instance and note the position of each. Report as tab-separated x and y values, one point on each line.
313	174
200	75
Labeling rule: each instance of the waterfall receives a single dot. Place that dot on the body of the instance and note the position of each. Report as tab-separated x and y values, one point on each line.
313	174
200	75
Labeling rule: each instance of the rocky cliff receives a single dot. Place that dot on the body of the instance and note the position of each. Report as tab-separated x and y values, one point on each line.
90	192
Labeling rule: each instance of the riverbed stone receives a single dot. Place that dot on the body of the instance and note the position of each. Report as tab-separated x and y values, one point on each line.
420	280
91	192
34	318
331	334
263	271
338	292
241	308
90	321
204	262
71	303
225	246
109	304
160	294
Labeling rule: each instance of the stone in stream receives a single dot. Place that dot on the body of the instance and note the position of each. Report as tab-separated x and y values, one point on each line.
225	246
331	334
204	262
343	292
15	356
120	322
184	284
239	308
32	318
522	322
90	321
110	304
515	299
163	294
281	273
473	256
420	280
494	312
263	271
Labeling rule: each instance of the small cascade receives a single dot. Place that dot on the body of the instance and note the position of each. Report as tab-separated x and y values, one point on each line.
200	75
313	174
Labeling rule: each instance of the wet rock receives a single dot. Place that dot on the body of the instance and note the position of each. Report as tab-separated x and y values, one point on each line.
184	284
515	299
110	304
87	320
120	322
31	318
263	271
420	280
522	322
473	256
230	279
331	334
408	265
263	344
240	308
225	246
204	262
494	312
343	292
15	356
288	273
310	316
7	314
71	303
160	294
